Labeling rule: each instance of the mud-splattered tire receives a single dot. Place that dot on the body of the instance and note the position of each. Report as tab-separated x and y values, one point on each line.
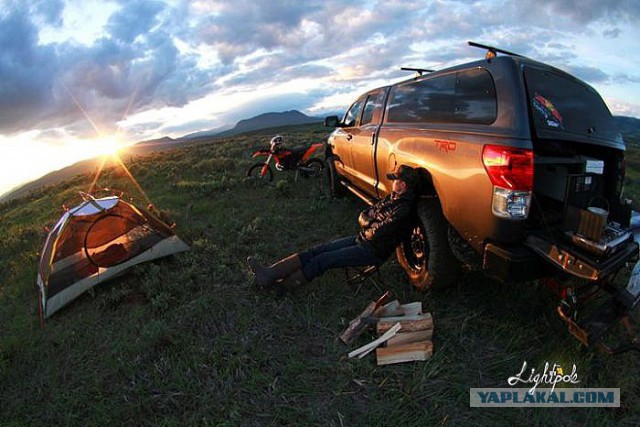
426	256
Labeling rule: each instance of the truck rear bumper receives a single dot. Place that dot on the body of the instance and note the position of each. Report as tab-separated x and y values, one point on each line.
580	265
513	263
540	257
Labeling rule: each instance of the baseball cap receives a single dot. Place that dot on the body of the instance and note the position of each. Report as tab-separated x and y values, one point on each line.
405	173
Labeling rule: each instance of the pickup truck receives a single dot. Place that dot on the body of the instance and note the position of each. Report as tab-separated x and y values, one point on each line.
522	170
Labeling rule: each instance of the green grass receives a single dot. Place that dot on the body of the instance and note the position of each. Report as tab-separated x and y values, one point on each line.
187	340
632	181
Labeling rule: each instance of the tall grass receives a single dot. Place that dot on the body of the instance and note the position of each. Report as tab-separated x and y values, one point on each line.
189	340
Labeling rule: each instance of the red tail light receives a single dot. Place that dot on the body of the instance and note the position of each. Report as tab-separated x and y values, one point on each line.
507	167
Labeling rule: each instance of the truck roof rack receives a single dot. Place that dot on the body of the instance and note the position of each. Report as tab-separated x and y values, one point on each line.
420	71
492	51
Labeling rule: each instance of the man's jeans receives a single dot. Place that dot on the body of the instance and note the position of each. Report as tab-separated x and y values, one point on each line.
345	252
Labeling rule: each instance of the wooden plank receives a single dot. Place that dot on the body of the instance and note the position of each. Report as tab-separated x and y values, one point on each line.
365	349
401	318
412	308
404	353
408	337
394	308
389	309
409	323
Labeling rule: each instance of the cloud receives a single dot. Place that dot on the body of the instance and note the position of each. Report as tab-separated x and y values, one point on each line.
157	54
50	11
134	19
241	26
134	66
587	11
25	71
612	33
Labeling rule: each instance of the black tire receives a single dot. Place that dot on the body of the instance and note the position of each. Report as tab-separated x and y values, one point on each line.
254	172
336	189
426	256
316	171
316	168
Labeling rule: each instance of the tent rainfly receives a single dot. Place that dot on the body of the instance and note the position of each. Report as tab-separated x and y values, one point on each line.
95	241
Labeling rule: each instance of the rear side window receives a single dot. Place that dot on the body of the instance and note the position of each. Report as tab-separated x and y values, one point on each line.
373	103
463	97
561	104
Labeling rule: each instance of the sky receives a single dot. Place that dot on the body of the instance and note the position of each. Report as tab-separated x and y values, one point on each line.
78	76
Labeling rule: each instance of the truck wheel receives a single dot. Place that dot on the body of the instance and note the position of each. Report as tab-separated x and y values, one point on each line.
335	187
426	256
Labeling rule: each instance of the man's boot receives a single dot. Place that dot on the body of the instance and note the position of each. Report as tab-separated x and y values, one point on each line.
267	276
292	281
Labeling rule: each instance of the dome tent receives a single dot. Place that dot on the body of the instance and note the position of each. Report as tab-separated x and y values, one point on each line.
95	241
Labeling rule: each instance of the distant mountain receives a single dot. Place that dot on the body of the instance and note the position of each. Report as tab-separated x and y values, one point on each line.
627	124
268	120
205	133
159	141
79	168
630	128
262	121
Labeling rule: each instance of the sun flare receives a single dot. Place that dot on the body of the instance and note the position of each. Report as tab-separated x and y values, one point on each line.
106	146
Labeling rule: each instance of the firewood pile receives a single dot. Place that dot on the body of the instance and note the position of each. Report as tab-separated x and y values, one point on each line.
404	332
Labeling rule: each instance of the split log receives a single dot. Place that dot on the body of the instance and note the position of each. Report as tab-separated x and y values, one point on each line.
411	309
357	325
365	349
390	309
394	308
409	323
404	353
409	337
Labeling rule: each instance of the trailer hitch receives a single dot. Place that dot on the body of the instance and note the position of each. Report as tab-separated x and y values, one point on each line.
591	330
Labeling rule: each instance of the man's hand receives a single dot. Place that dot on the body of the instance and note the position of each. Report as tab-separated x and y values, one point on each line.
365	218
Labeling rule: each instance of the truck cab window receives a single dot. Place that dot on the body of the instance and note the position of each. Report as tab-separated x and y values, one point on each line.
351	118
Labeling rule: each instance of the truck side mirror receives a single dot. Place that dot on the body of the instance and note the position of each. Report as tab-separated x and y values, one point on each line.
332	122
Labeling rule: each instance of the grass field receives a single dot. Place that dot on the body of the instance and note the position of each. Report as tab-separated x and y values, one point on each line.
187	340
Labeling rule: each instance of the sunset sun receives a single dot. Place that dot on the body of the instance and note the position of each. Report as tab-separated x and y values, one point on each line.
106	146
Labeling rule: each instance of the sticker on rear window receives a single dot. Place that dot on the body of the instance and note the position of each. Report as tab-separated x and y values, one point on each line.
548	111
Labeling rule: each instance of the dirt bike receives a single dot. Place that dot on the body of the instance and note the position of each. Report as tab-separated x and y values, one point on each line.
295	159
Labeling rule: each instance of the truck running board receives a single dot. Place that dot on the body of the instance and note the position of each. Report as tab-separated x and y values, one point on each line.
361	194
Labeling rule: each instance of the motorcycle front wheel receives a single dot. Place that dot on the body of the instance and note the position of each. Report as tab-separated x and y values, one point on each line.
260	171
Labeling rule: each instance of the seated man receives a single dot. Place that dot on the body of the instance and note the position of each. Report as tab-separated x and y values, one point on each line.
383	227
